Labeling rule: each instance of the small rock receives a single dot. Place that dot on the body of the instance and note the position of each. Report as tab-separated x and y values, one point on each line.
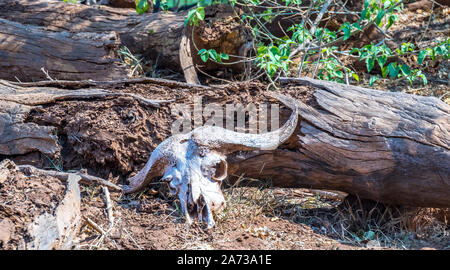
6	230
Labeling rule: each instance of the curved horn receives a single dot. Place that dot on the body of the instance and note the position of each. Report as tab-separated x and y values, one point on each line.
227	141
155	166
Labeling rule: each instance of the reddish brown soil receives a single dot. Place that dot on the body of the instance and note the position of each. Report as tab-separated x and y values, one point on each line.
22	199
154	223
253	219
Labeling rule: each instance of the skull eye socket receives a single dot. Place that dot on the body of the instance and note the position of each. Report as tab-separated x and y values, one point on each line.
215	167
219	170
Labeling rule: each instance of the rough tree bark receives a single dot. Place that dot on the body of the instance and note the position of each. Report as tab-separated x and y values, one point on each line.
388	147
18	137
78	42
25	50
73	41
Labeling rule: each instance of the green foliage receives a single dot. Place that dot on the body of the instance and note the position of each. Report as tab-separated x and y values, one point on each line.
213	55
194	16
141	6
441	50
372	53
275	55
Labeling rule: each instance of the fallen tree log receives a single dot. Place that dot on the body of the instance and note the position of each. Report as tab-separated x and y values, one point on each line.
389	147
29	54
79	42
18	137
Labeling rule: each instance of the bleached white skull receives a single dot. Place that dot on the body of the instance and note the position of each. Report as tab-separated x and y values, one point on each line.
194	165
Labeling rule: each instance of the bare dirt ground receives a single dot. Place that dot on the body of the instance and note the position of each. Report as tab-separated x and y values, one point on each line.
113	138
22	200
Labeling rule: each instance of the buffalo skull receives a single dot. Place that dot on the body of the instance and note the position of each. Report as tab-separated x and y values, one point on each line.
194	165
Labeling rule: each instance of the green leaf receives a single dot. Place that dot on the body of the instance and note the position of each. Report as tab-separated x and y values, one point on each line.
141	6
364	14
366	4
370	63
393	70
203	55
421	57
424	79
347	33
381	61
194	15
357	26
213	54
391	19
189	17
379	17
224	56
372	80
274	50
384	71
200	13
355	76
262	50
354	50
405	70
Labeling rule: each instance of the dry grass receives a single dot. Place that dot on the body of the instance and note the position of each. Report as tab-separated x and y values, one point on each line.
252	204
351	221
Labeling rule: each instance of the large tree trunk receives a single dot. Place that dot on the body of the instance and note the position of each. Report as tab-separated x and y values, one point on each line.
388	147
78	42
27	53
19	137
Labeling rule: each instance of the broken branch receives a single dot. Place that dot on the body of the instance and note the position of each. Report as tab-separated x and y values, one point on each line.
85	178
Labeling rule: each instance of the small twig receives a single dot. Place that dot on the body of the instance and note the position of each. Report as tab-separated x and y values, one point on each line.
329	194
99	229
145	101
428	23
132	239
46	74
109	208
312	31
94	225
211	76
